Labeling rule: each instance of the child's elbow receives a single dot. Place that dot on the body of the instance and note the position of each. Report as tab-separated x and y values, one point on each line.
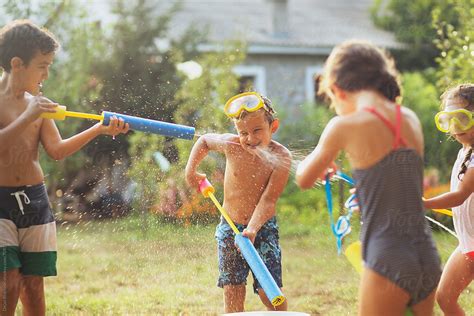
303	183
460	199
301	178
55	155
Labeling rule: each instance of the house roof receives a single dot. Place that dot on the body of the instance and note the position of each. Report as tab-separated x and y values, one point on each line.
312	27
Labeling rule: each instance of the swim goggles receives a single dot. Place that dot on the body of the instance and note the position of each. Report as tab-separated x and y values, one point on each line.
248	101
460	119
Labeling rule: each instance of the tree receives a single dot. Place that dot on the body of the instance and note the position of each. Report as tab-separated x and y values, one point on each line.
411	22
141	78
456	43
137	76
200	105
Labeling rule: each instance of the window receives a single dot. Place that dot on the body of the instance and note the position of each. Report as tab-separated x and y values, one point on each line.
246	83
312	84
252	78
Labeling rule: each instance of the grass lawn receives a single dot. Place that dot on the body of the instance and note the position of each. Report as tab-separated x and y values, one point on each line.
118	267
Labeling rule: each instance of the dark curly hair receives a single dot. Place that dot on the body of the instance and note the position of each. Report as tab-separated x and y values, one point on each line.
23	39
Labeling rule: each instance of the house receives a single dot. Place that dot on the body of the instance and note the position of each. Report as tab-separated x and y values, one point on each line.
288	40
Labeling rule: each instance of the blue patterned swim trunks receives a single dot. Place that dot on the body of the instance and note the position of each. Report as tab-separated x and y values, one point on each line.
233	269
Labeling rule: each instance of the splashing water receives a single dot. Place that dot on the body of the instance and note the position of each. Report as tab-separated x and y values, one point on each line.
277	159
297	157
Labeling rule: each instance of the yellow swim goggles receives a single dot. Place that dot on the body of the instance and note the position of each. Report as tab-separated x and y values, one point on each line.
460	119
248	101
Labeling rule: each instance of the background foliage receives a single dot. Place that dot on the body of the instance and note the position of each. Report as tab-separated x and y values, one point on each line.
124	67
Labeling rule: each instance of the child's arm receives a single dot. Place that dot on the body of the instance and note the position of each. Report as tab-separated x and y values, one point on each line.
205	143
266	206
36	106
58	148
313	167
454	198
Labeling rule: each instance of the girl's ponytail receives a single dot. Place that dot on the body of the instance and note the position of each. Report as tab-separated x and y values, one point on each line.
466	162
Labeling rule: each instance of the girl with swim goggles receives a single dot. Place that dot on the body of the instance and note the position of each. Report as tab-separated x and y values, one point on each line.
457	119
454	120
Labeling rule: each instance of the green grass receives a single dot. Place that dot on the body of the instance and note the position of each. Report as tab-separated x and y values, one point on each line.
117	267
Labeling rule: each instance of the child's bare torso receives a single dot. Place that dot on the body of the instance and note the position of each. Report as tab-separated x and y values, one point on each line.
19	164
246	178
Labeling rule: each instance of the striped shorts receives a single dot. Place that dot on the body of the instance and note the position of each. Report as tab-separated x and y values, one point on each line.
27	231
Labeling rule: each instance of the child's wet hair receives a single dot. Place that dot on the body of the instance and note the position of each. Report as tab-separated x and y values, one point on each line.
359	65
269	112
464	93
23	39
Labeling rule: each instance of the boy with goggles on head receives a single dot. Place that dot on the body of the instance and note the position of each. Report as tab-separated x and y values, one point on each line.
456	119
257	170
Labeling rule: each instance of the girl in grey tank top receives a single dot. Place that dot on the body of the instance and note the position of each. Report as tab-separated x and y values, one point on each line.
384	143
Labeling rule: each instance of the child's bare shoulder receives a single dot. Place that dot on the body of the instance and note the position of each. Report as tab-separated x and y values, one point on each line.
278	148
410	115
230	138
230	143
341	124
4	100
11	108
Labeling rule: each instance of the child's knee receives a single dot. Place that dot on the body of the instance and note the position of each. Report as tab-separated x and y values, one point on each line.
444	299
12	281
32	284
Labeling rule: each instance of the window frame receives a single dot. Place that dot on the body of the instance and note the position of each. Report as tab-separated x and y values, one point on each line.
258	72
310	74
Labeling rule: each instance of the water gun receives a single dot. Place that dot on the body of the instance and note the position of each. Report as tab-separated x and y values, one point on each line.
135	123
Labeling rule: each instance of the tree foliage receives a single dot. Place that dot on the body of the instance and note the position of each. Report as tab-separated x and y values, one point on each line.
201	103
411	22
422	96
456	44
137	76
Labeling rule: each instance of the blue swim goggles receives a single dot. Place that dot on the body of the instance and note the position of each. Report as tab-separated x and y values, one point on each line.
343	224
